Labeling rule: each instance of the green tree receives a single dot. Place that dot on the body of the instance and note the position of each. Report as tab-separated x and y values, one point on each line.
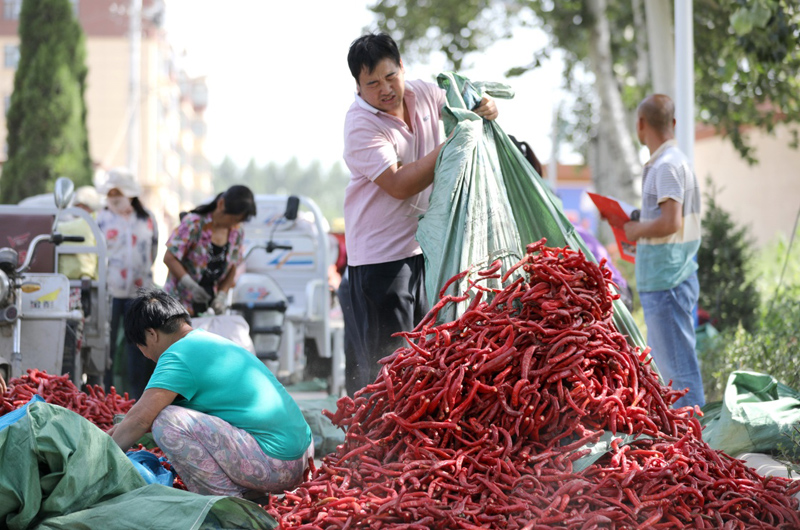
226	174
324	186
727	290
47	136
250	177
747	62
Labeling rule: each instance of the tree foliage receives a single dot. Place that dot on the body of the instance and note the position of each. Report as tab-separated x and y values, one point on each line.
747	58
47	135
747	66
324	186
770	345
727	291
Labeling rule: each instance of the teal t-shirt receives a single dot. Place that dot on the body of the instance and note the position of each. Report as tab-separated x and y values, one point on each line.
215	376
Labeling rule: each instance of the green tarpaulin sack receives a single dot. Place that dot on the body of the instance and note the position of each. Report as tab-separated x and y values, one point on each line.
59	471
755	416
488	203
325	434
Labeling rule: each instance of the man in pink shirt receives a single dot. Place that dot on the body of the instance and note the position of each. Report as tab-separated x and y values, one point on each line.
392	139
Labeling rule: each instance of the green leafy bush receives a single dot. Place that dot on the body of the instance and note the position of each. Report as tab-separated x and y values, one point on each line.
727	290
771	348
772	343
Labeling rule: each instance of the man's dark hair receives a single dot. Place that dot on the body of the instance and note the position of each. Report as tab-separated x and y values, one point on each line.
368	50
658	110
153	308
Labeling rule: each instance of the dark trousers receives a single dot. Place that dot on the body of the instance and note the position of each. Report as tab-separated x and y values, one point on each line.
135	367
353	379
381	300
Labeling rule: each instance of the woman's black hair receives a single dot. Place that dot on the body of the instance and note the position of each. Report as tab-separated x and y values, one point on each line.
368	50
141	213
153	309
238	199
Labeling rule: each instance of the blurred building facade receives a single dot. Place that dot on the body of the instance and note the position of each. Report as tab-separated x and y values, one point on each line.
169	141
764	197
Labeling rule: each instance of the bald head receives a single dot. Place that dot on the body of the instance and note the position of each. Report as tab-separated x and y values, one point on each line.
658	111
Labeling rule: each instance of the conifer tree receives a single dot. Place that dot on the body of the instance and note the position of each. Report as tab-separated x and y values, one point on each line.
726	291
47	135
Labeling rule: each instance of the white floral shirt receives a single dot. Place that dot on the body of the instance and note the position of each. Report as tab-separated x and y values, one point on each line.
131	242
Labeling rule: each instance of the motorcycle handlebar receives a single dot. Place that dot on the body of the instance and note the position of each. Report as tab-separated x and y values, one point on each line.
71	239
54	238
276	247
269	247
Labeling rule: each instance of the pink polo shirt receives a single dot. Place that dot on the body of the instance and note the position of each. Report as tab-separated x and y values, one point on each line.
379	227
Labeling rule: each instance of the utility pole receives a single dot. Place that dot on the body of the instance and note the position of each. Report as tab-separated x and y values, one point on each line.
135	90
661	47
684	77
552	167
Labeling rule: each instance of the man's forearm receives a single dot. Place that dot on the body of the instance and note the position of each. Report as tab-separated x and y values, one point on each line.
419	174
669	222
650	229
410	179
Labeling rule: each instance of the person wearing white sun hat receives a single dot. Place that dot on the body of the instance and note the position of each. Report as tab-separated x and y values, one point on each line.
131	235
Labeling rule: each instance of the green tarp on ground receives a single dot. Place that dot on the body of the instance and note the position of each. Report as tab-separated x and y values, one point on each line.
326	435
59	471
756	415
488	202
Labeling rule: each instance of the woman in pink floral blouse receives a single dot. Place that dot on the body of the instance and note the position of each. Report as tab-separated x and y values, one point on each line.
205	249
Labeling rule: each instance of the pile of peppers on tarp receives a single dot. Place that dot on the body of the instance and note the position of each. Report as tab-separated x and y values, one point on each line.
490	420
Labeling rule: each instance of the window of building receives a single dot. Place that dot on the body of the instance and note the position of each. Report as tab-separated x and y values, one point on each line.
75	4
11	55
11	9
6	103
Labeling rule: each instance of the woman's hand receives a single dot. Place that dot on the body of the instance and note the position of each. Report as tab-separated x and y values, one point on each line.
188	283
220	303
199	294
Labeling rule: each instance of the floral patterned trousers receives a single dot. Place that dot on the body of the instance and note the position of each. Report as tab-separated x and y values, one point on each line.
213	457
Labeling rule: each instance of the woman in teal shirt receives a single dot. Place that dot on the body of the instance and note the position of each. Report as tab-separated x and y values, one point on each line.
221	417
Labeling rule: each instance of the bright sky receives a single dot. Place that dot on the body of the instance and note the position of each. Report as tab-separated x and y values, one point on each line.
279	85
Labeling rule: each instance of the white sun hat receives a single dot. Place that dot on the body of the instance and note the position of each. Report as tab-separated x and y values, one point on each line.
122	179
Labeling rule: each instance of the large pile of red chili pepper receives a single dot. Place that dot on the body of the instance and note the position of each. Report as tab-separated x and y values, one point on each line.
95	404
478	422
